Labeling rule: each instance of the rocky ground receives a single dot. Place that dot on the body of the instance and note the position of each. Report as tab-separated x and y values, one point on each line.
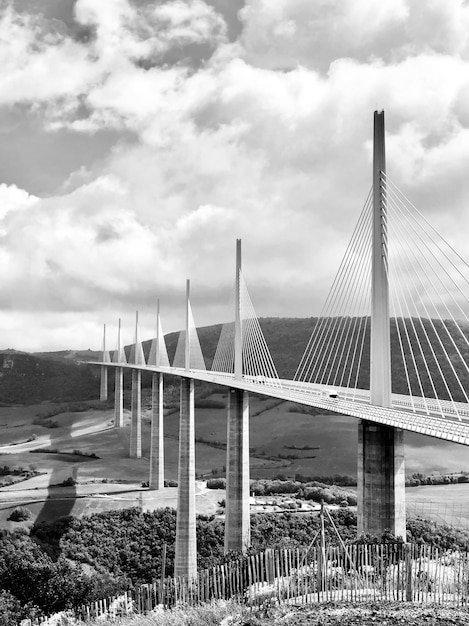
332	614
373	615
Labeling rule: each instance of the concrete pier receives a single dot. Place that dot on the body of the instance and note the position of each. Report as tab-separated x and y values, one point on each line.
118	397
381	480
136	419
185	563
156	479
105	359
237	513
103	384
119	357
381	473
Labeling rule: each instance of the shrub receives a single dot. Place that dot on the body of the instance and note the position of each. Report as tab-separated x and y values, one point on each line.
19	514
170	483
216	483
10	609
45	451
69	482
91	455
208	403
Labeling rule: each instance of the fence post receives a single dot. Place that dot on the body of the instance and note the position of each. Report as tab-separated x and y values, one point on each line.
409	592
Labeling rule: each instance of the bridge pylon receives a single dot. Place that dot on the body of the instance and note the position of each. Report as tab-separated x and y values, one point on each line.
105	359
119	357
156	478
137	358
237	514
185	562
381	474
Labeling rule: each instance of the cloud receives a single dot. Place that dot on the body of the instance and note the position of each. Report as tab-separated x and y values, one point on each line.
41	64
267	139
315	34
124	30
13	199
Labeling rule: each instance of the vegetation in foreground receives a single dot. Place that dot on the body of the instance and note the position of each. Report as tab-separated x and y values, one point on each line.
70	562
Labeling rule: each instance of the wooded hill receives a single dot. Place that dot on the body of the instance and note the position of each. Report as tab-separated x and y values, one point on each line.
65	375
288	337
28	379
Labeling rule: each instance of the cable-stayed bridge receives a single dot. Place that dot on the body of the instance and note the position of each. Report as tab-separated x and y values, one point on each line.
390	348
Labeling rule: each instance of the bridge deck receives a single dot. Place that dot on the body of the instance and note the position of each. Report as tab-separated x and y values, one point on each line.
426	416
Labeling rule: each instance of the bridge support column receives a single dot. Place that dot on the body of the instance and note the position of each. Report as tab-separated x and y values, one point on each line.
156	480
381	480
185	563
103	385
136	422
237	513
118	397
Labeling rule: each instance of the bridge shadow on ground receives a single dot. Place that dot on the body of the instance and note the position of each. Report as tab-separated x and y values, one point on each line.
62	489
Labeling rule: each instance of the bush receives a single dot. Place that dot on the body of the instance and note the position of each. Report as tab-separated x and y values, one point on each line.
91	455
207	403
10	609
50	424
69	482
19	514
170	483
216	483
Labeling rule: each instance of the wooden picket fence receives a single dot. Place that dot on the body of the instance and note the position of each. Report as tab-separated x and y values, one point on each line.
389	572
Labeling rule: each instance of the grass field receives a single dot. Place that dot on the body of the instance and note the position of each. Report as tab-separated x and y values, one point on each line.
332	439
444	504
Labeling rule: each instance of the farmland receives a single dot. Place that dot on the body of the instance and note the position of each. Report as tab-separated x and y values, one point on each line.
321	445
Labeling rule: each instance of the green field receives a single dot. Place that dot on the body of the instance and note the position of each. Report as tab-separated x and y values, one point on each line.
275	431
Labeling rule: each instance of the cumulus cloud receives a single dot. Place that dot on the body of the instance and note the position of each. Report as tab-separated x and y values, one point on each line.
268	139
315	34
41	64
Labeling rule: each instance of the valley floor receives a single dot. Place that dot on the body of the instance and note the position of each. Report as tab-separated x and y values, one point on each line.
85	448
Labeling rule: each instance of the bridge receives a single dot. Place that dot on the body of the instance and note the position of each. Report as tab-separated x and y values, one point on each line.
391	348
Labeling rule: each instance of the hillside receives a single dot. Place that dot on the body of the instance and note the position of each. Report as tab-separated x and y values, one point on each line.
287	339
28	379
79	356
65	375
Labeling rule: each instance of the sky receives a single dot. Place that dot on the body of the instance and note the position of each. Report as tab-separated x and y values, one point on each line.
139	139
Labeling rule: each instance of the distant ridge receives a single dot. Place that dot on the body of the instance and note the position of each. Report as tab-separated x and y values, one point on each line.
287	338
29	379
